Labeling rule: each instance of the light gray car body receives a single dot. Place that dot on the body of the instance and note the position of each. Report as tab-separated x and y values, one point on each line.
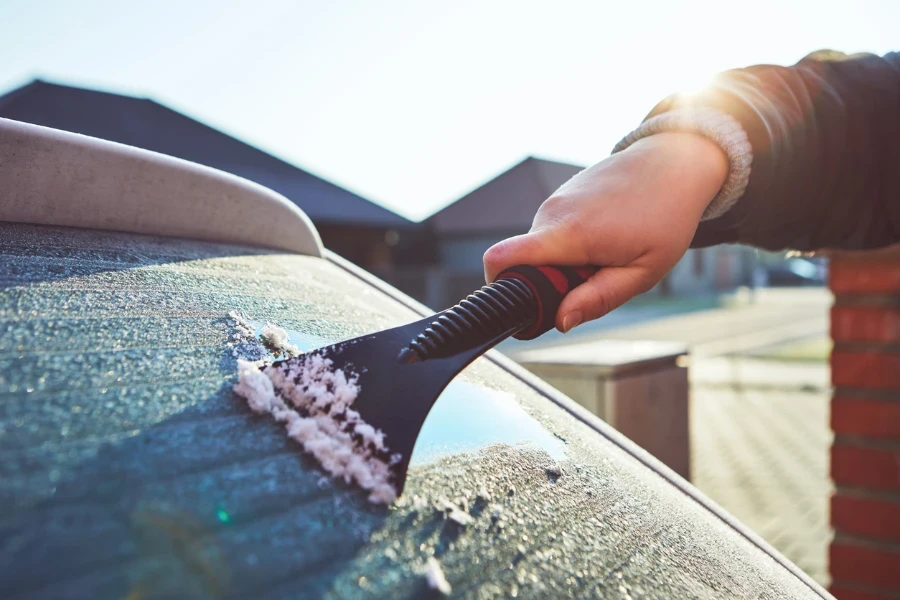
130	469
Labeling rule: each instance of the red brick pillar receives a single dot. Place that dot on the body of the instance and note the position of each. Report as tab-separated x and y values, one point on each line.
865	416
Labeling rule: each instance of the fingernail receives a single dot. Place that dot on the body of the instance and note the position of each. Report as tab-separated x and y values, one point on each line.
571	320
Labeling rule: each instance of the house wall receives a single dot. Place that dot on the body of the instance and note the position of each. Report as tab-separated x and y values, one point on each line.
710	270
694	274
701	271
458	269
369	247
464	254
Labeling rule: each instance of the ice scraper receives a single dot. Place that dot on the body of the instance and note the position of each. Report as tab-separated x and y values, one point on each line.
401	371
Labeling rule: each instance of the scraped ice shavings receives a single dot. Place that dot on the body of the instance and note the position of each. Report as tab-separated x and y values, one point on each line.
454	512
313	401
243	342
434	575
273	341
278	339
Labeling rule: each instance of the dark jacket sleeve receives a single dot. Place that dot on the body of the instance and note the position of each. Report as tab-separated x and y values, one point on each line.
826	152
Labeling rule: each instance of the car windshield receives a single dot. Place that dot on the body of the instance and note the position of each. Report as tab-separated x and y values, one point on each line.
130	468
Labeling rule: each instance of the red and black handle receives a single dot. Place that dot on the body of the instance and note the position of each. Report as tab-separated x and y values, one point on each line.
549	285
522	299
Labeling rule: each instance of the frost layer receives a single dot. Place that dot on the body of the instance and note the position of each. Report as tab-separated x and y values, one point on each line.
312	399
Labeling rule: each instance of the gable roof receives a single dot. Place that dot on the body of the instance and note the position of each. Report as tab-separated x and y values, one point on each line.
506	203
146	124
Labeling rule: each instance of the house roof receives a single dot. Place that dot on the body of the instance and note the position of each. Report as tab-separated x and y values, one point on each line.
506	203
144	123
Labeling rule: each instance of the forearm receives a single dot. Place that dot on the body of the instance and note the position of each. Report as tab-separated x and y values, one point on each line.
825	139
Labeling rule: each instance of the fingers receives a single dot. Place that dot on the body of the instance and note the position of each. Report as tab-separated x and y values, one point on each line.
518	250
545	247
606	290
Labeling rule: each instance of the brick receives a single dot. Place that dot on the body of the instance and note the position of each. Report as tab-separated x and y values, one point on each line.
867	273
865	370
858	515
865	417
874	468
849	592
873	324
865	564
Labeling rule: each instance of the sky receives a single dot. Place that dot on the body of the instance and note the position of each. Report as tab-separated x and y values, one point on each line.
412	104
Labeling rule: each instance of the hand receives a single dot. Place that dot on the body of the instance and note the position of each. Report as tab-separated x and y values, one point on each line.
634	214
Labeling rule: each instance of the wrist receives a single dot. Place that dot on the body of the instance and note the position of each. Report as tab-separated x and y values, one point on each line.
697	166
719	127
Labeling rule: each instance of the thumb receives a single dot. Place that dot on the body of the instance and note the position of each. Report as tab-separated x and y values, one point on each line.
544	247
606	290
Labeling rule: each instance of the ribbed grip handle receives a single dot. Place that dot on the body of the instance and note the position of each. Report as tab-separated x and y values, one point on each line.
549	285
522	298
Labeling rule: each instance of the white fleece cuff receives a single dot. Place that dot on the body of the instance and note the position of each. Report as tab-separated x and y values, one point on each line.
721	128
